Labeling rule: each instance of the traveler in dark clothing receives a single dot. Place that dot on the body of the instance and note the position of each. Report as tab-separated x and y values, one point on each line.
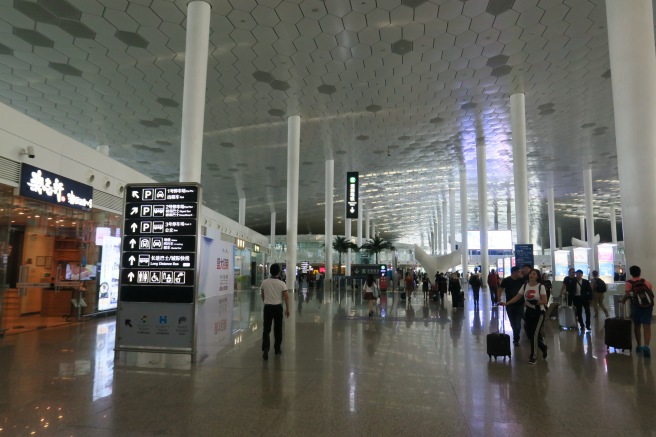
475	282
425	285
569	286
582	298
547	285
455	289
511	286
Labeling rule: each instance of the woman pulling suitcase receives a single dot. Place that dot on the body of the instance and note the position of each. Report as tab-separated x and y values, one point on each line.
535	302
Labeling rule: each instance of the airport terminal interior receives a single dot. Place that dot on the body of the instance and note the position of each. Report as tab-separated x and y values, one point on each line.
526	121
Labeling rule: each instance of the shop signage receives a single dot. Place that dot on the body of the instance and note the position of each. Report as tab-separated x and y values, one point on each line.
45	186
160	241
352	194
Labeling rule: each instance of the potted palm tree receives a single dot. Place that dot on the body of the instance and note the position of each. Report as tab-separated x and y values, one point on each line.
342	245
377	245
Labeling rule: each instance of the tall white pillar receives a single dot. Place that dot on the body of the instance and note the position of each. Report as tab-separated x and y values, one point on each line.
613	225
242	211
551	217
273	231
509	214
582	228
481	169
589	218
452	219
195	82
349	236
463	217
633	63
518	123
293	157
436	236
445	239
438	232
367	227
330	183
360	213
373	230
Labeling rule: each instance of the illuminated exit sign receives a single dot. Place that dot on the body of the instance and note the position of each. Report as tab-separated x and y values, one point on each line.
352	194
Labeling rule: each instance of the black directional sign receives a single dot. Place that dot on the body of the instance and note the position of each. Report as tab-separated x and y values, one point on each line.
352	194
160	241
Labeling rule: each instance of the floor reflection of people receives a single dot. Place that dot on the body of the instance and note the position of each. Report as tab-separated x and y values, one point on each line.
409	314
426	313
477	324
457	319
371	337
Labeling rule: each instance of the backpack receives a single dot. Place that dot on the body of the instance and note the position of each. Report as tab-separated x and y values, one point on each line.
600	285
642	295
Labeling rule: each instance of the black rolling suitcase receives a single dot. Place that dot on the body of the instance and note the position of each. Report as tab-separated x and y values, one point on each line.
498	343
617	333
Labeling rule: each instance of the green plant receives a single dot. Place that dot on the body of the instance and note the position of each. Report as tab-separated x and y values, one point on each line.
342	245
377	245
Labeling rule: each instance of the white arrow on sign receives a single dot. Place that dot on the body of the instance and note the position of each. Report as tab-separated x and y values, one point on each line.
131	259
134	227
135	210
130	276
352	210
132	243
135	194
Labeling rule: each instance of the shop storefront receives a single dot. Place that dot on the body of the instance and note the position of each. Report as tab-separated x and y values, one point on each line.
59	256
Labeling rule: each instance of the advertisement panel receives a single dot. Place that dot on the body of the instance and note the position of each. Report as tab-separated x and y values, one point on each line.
110	264
562	262
581	260
605	253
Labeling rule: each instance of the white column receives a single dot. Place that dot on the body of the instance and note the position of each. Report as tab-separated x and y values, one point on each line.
360	213
481	168
293	156
242	211
367	227
463	217
436	237
633	63
551	217
582	227
452	219
445	239
509	214
373	230
518	123
273	231
438	232
330	183
349	235
613	225
195	82
589	218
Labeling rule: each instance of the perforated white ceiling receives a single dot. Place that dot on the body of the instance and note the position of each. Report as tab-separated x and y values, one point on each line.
399	90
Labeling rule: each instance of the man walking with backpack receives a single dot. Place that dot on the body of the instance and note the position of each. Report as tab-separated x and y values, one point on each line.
598	293
642	302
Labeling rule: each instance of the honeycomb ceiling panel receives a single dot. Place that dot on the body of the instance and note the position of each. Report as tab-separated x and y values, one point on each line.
400	90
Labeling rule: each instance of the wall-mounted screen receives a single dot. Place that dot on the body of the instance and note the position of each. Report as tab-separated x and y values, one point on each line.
75	272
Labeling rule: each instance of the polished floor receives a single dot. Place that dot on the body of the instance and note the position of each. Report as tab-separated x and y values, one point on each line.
418	369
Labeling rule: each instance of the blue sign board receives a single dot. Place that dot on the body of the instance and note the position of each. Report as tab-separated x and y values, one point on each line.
45	186
524	255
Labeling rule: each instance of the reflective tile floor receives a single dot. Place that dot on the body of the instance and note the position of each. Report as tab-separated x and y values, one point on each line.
418	369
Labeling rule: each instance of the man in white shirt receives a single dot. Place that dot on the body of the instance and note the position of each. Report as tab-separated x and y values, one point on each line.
273	291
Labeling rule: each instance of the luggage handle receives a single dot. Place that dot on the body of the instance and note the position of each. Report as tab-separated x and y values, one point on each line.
503	320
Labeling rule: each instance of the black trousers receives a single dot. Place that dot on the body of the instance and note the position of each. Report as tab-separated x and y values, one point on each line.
582	304
272	314
533	321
